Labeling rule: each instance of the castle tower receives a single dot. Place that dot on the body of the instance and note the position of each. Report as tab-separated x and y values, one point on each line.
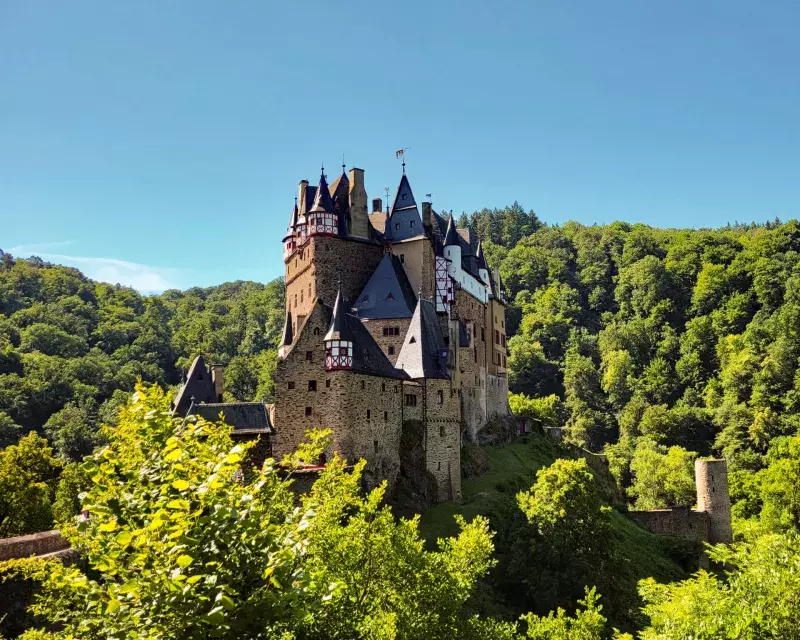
319	250
452	250
711	477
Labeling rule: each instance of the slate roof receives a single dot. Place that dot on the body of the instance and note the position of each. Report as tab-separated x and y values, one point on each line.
404	198
292	222
322	198
451	236
404	221
424	354
288	334
198	385
339	327
368	357
481	258
388	293
308	200
340	192
244	417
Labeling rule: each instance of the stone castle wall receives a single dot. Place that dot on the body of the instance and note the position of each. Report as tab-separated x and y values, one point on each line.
497	395
678	521
472	362
317	267
443	438
376	327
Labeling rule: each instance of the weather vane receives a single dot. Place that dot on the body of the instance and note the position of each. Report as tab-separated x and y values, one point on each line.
401	153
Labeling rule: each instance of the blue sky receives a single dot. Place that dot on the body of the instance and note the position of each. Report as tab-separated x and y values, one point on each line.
159	144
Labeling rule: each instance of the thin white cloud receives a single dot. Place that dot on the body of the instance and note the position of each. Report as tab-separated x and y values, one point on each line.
33	249
141	277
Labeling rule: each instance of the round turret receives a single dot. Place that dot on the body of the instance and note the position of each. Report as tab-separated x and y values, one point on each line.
711	477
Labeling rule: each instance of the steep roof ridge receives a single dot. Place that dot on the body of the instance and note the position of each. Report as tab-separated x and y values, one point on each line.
424	354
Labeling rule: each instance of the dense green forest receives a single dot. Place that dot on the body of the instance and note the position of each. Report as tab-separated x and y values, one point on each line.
652	346
71	350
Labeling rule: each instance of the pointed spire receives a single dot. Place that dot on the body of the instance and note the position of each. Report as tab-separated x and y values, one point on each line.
292	223
322	201
288	333
451	236
404	198
481	258
339	330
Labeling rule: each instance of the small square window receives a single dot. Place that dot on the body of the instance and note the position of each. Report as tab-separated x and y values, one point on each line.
328	383
412	223
440	396
383	386
397	226
290	385
391	350
368	414
363	384
385	416
312	385
386	331
308	411
375	444
309	355
442	430
402	258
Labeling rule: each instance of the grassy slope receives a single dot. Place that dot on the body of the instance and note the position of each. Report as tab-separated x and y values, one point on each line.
512	468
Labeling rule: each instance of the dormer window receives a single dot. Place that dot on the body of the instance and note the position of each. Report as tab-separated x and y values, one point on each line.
412	223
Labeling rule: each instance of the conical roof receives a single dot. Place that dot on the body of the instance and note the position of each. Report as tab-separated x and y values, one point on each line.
292	223
451	235
424	353
404	198
288	334
339	329
481	258
322	199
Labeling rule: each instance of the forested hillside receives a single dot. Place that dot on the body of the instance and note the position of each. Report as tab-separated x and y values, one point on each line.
72	349
653	346
657	345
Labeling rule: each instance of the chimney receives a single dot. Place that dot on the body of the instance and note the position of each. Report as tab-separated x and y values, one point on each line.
218	378
377	205
359	224
427	214
301	197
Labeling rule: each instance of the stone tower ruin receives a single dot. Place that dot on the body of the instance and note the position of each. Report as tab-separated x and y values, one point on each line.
711	478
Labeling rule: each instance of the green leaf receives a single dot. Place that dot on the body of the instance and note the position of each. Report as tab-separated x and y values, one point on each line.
180	485
184	561
123	538
107	527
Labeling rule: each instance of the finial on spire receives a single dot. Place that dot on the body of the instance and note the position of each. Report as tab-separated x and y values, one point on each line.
404	165
343	165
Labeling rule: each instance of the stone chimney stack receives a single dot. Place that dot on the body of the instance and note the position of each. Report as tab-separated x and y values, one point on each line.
218	380
377	205
711	478
359	225
427	215
301	197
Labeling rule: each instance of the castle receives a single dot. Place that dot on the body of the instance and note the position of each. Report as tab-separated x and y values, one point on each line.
391	316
